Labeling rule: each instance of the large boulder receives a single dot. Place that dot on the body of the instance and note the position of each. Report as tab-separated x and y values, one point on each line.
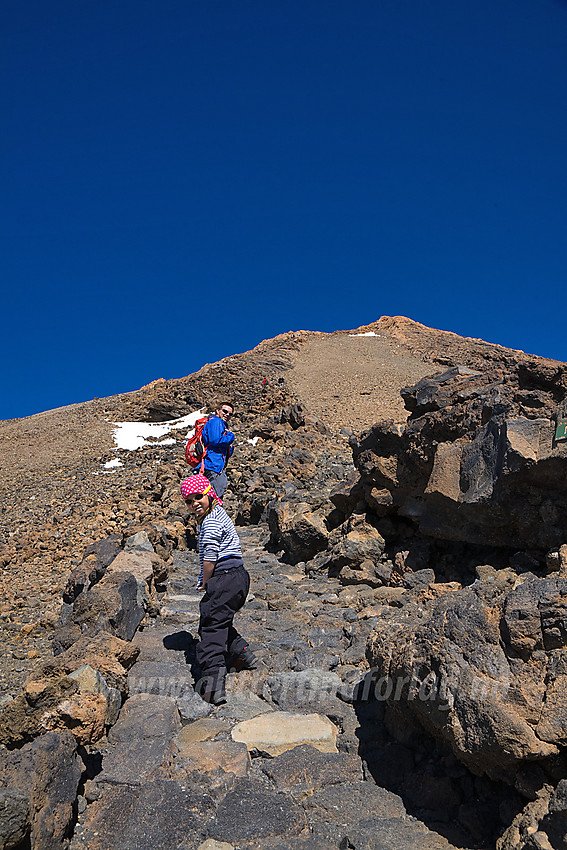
38	789
96	559
116	604
80	689
483	668
354	552
110	655
300	531
477	460
347	494
139	563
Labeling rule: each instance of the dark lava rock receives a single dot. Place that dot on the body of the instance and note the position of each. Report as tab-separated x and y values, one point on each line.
251	813
14	817
146	716
113	605
304	769
361	799
474	462
159	815
481	668
46	774
395	834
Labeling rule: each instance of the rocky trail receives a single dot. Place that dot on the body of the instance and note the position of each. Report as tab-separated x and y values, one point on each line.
402	502
292	760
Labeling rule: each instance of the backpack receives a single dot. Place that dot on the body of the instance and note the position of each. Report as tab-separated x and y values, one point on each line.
195	450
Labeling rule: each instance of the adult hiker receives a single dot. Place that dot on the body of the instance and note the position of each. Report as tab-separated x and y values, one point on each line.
226	584
218	441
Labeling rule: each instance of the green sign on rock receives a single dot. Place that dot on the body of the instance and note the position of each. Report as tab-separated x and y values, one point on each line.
561	430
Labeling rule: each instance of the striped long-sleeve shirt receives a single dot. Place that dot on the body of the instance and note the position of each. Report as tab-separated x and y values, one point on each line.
217	538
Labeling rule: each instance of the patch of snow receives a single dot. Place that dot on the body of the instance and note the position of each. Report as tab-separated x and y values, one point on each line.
134	435
253	441
368	333
110	464
169	442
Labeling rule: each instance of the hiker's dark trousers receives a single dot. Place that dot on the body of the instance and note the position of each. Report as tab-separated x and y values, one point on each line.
219	481
225	594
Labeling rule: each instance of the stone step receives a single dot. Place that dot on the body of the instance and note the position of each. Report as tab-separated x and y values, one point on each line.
182	597
164	679
163	643
178	615
279	731
186	604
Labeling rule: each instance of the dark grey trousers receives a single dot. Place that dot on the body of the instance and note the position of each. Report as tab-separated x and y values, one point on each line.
218	480
225	594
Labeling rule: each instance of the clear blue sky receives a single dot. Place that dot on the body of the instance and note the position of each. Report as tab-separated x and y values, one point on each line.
184	179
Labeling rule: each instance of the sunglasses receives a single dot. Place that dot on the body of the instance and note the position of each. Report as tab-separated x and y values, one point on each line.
226	412
193	497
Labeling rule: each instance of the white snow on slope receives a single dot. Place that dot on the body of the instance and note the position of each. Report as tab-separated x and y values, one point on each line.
368	333
134	435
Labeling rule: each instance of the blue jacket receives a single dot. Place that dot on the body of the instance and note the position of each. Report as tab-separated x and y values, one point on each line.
218	442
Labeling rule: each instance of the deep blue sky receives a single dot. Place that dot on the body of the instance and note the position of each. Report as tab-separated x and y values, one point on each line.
184	179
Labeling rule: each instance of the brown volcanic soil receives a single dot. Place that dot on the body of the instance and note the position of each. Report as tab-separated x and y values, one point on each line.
354	381
55	498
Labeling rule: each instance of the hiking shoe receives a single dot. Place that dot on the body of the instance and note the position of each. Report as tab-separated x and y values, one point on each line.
211	689
245	660
216	697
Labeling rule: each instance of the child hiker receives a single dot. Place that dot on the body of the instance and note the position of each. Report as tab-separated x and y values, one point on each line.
226	584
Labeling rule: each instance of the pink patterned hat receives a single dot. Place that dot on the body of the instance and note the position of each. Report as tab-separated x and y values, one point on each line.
198	484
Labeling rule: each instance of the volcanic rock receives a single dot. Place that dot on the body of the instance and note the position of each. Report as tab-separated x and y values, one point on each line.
278	731
44	773
480	667
300	531
474	463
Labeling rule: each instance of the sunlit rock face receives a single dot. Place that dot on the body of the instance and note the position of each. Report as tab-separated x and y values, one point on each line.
478	460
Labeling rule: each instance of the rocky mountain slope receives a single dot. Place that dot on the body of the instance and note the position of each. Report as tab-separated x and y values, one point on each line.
428	514
56	497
